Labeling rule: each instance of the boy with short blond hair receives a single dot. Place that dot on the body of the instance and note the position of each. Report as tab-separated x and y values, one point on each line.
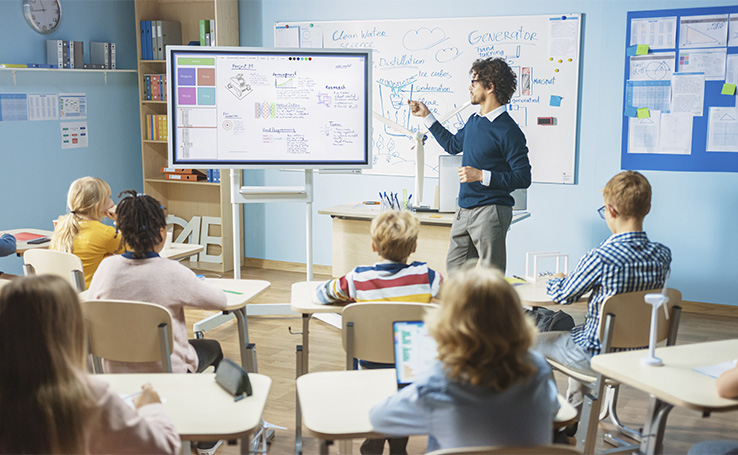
626	262
394	237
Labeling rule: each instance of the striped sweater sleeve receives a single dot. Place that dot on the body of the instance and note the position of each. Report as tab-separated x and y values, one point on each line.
333	291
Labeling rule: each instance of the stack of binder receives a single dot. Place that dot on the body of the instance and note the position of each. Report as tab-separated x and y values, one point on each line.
102	55
65	54
156	35
184	175
156	87
156	127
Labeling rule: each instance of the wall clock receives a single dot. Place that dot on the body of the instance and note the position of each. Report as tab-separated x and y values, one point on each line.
43	16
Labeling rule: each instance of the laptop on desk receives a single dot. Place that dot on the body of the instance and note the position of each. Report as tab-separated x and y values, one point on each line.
415	350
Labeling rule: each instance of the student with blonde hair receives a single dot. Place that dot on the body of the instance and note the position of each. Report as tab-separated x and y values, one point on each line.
486	387
48	403
81	231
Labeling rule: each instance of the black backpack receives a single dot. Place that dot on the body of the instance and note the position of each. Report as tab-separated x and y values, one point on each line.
550	321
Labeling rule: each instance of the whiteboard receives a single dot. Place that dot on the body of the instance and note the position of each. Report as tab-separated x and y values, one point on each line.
429	60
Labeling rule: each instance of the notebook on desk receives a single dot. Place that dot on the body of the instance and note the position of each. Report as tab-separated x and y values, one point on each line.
415	350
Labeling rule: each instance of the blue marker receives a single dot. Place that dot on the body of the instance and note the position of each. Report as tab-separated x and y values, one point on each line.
407	204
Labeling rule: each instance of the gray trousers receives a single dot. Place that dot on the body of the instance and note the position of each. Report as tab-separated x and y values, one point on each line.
479	233
561	347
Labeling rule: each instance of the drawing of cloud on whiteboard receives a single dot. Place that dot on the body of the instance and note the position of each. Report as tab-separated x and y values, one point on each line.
423	38
238	86
447	54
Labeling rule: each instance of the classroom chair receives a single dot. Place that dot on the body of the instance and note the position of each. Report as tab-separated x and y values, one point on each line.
552	449
128	331
625	323
50	262
367	328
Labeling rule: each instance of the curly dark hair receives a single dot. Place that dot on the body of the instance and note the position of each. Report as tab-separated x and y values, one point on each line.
140	220
496	71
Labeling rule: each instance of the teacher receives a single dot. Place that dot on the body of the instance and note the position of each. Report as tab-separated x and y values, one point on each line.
494	163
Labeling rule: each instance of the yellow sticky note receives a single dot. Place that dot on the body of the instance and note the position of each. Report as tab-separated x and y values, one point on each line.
642	49
643	112
728	89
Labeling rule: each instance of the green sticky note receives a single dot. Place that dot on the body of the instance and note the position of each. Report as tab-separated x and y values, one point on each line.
643	112
728	89
642	49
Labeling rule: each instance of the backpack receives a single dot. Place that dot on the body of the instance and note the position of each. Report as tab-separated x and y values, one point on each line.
550	321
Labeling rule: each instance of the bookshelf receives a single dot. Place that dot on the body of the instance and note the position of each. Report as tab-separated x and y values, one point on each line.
105	72
186	199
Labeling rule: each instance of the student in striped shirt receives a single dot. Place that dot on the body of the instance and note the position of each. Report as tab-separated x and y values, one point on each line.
394	237
626	262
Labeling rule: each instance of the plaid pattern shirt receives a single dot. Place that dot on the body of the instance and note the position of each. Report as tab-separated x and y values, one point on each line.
625	262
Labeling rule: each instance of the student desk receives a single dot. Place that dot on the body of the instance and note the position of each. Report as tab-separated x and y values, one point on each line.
352	243
239	293
336	404
200	408
673	384
22	247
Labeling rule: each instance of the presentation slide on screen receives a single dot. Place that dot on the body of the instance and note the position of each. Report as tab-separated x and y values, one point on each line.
260	107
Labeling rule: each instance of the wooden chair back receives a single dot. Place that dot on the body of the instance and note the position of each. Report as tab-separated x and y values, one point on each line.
367	328
499	450
128	331
50	262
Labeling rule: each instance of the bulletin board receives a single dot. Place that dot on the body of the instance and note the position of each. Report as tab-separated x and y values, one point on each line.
679	97
429	60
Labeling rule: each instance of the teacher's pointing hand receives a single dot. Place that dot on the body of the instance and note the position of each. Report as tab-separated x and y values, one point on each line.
418	109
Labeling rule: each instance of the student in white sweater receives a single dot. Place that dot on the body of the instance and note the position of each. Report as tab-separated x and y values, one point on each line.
141	274
48	403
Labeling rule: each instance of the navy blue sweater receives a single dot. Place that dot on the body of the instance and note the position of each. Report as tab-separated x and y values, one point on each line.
497	146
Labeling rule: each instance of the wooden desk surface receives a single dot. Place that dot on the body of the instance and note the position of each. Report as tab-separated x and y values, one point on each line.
302	299
357	210
198	406
177	251
675	382
239	292
22	247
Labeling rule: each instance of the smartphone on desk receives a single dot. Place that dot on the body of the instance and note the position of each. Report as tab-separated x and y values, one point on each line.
39	240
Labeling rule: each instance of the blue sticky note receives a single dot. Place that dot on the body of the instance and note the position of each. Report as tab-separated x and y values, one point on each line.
555	101
630	111
631	51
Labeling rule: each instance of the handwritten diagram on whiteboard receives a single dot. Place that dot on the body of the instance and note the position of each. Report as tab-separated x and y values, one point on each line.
429	60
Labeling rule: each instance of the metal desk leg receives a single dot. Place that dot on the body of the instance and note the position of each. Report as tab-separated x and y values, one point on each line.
248	350
305	342
653	432
298	411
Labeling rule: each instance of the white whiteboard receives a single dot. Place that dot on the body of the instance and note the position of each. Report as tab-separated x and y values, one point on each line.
429	60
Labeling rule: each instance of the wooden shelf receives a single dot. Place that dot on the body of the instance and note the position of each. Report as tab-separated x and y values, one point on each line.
68	70
180	182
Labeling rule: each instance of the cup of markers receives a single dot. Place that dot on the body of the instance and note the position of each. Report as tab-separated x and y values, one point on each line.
390	201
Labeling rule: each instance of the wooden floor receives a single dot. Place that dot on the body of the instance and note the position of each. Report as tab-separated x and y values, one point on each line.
276	346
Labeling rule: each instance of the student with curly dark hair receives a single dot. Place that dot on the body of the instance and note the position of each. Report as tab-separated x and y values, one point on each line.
495	162
141	274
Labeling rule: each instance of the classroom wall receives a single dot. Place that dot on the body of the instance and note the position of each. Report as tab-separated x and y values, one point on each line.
34	171
693	213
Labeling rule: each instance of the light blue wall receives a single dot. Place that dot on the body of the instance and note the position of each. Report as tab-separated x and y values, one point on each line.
693	213
34	171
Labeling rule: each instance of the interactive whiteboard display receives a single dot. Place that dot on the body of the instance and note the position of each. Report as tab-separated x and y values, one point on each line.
234	107
429	60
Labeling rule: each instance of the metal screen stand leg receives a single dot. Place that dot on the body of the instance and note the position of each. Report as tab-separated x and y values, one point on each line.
298	411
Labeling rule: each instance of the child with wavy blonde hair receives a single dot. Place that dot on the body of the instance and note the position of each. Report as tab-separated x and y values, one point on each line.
81	231
486	387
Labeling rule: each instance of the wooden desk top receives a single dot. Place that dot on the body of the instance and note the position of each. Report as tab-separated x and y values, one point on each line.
22	247
177	251
302	299
359	211
239	292
198	406
675	382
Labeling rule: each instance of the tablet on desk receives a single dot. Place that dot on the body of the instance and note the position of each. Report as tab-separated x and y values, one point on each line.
30	237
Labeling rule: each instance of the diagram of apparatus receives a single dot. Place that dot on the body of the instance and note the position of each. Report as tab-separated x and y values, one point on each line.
238	86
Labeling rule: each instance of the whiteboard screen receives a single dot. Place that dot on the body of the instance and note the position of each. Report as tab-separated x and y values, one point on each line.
233	107
429	60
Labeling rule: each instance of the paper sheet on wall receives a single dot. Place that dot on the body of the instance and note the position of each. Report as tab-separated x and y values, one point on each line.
43	106
72	106
563	39
722	130
733	30
658	33
656	66
675	134
708	61
688	93
13	107
286	37
651	94
731	69
703	31
643	134
73	135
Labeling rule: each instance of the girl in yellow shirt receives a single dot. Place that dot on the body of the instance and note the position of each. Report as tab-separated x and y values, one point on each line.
81	231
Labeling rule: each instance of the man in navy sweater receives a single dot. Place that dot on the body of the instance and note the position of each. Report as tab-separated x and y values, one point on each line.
494	163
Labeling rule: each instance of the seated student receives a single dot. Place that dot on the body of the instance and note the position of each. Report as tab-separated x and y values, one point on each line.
141	274
7	247
394	237
486	387
727	387
48	403
81	231
626	262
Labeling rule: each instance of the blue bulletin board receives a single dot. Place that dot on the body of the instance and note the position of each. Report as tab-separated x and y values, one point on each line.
679	94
